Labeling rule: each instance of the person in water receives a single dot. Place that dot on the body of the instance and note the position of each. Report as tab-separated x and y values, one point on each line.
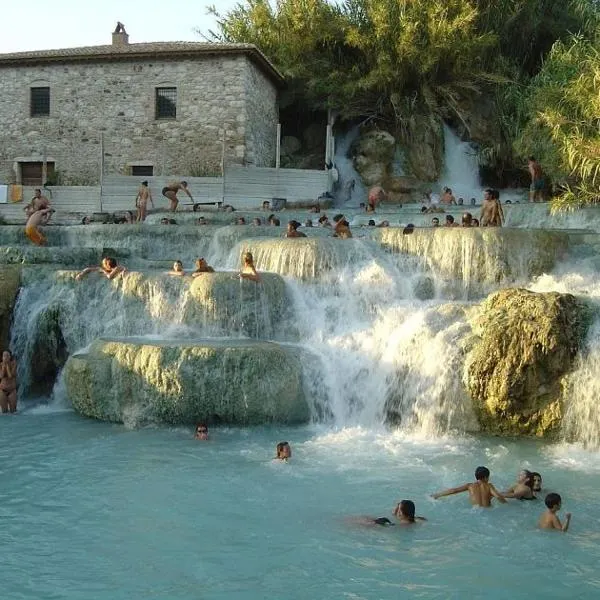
248	269
550	520
523	489
201	432
170	192
405	513
39	217
492	214
292	230
108	267
202	267
8	383
141	202
177	270
341	227
537	481
481	491
283	451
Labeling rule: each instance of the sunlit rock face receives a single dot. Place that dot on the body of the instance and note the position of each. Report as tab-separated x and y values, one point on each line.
135	381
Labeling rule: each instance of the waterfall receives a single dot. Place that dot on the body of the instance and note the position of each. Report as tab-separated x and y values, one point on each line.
350	188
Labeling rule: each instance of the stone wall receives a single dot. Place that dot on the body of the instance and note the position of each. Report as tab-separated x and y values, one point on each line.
118	99
262	116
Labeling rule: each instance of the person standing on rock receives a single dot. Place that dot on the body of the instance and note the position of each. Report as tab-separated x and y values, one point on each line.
170	192
536	190
141	202
492	214
8	383
376	196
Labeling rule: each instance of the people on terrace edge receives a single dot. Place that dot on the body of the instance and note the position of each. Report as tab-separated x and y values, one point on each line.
141	202
481	491
536	189
248	270
170	192
39	217
108	267
8	383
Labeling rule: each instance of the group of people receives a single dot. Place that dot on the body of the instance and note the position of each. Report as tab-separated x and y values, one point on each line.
144	195
110	269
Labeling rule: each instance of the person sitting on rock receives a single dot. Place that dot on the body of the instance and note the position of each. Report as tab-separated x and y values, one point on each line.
248	270
341	228
284	451
201	432
202	267
292	230
108	267
177	270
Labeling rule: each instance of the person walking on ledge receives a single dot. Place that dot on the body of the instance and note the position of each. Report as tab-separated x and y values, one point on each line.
170	192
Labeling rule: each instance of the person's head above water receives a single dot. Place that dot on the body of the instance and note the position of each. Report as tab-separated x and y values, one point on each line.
537	481
284	451
178	266
553	501
109	263
405	510
248	259
482	473
201	432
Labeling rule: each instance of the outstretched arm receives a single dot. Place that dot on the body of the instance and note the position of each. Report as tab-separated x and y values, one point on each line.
86	271
451	491
497	494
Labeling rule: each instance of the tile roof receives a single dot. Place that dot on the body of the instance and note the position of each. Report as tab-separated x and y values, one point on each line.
155	50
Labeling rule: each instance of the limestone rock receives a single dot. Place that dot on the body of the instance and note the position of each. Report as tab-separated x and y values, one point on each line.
290	144
134	381
10	280
525	343
423	146
372	154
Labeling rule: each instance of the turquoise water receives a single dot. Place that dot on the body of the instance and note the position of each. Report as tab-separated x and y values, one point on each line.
92	510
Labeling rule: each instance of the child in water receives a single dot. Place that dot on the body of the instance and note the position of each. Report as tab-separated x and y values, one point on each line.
550	520
405	513
480	492
284	451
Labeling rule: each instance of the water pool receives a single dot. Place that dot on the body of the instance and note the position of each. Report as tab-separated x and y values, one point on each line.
92	510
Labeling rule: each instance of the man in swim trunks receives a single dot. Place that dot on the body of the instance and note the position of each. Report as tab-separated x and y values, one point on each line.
480	491
536	189
141	201
39	217
170	192
491	210
8	383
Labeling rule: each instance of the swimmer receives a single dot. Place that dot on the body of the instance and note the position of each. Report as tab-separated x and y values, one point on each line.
177	270
8	383
248	269
480	492
141	201
550	520
201	432
467	220
537	481
108	267
292	230
450	222
435	222
170	192
39	217
523	489
240	221
202	267
266	205
256	221
86	220
324	221
405	512
283	451
341	227
201	221
410	228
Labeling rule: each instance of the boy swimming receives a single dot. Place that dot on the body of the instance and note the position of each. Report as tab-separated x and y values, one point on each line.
550	520
481	491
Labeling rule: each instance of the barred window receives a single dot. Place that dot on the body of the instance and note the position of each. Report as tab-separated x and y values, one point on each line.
40	101
166	103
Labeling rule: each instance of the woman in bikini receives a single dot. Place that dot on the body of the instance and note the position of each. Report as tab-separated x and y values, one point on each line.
8	383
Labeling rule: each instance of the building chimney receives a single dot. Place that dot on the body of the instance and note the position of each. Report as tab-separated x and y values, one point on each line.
120	36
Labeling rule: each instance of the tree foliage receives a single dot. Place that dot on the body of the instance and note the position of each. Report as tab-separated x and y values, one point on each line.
424	61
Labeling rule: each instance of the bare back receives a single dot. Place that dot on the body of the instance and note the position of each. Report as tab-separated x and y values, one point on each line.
480	493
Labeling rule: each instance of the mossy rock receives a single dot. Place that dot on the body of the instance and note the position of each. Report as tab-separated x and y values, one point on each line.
10	280
524	344
238	382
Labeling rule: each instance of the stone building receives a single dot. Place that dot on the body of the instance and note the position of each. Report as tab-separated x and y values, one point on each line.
135	109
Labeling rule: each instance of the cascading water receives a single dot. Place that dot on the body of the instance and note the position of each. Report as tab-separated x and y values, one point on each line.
349	188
